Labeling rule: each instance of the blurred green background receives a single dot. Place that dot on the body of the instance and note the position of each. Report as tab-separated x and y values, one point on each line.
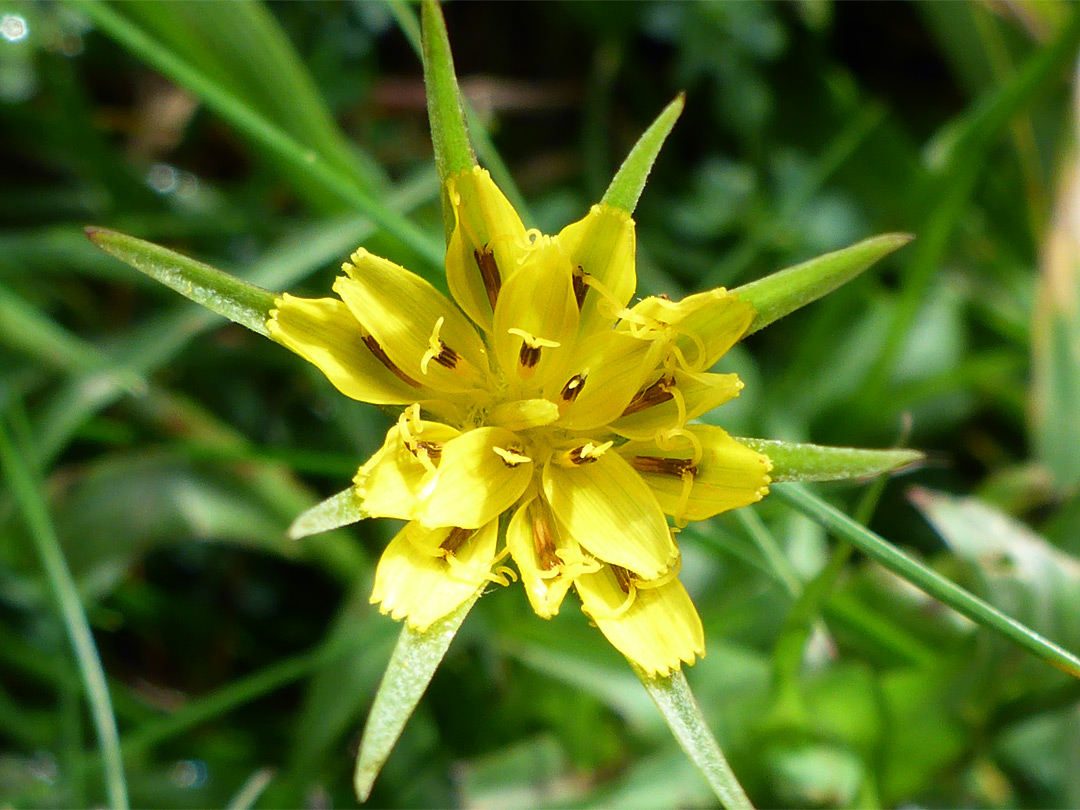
172	451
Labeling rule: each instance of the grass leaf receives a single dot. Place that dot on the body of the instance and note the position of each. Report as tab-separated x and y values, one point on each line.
926	579
47	544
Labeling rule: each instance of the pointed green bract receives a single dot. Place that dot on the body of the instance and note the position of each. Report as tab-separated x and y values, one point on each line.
626	186
237	300
783	292
413	662
336	511
449	136
926	579
675	701
794	461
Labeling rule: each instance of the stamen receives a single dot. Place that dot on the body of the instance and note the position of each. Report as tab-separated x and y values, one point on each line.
380	355
588	453
455	539
430	551
489	272
572	388
439	351
580	285
654	394
675	467
623	577
626	582
529	355
543	537
511	457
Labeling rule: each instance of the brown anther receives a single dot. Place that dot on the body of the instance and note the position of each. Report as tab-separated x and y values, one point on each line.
543	537
578	456
489	273
447	357
432	449
529	356
380	355
675	467
580	287
455	539
572	388
647	397
623	577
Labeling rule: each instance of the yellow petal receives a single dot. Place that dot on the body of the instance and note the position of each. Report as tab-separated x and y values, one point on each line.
325	333
547	559
416	581
487	241
725	476
610	368
481	474
522	414
536	317
390	483
659	628
420	330
704	325
606	507
670	400
601	250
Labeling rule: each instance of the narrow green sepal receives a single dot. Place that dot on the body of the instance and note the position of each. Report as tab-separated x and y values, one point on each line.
785	291
629	180
676	703
446	112
237	300
412	664
793	461
339	510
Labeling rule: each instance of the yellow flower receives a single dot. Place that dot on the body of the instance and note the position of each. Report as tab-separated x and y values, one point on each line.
540	395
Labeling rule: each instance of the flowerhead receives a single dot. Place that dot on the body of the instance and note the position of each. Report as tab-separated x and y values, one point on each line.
544	420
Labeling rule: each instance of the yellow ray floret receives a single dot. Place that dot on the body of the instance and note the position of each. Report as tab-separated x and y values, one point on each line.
653	624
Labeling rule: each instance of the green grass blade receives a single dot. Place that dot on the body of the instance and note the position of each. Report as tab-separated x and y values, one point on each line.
239	301
676	703
241	46
251	790
64	591
27	330
629	180
793	461
926	579
785	291
261	131
413	662
957	158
